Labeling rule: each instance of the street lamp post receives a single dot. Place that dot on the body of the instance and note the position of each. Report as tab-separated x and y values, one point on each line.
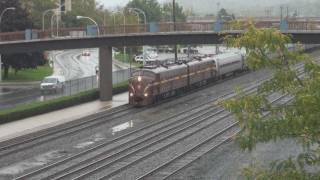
124	26
57	22
57	10
84	17
124	19
43	16
145	28
137	14
2	13
144	15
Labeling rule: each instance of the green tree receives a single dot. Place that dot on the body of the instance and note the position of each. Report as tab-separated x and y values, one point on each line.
225	16
150	7
17	20
298	119
36	8
167	12
89	8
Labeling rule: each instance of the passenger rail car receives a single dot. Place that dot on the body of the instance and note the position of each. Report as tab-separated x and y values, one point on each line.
147	86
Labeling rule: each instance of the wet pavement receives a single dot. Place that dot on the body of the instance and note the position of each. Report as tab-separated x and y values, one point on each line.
36	123
6	90
68	63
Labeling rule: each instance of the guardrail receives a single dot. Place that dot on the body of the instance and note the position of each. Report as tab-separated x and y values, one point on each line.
152	27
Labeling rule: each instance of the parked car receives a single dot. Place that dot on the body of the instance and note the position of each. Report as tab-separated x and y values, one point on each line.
138	59
86	53
165	49
52	84
148	58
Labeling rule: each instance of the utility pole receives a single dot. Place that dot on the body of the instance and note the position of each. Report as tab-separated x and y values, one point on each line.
174	28
281	12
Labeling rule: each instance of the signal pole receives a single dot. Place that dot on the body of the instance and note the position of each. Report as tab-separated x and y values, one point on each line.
174	28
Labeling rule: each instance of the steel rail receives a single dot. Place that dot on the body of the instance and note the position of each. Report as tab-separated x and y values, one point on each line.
123	136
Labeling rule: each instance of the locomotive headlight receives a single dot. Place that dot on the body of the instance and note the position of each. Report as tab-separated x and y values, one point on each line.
131	94
139	78
145	94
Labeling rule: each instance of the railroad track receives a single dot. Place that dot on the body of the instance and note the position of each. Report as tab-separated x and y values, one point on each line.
38	138
118	171
4	152
30	140
172	167
86	162
72	168
157	128
13	145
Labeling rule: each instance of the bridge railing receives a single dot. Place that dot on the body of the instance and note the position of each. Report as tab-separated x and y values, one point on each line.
155	27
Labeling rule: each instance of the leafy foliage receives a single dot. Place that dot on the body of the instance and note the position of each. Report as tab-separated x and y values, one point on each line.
14	20
150	7
36	8
263	121
18	20
167	12
87	8
224	15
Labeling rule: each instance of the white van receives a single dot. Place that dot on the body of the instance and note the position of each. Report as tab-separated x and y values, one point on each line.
52	83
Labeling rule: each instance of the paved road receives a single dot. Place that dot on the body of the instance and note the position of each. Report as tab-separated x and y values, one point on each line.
72	65
68	63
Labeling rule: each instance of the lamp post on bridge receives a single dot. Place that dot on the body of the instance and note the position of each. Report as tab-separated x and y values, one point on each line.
145	28
136	13
144	15
57	10
124	19
124	25
2	13
85	17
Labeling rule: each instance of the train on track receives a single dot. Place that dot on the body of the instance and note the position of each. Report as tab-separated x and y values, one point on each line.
149	85
152	84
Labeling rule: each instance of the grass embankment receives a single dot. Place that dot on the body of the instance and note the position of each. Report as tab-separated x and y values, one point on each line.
37	108
125	58
26	75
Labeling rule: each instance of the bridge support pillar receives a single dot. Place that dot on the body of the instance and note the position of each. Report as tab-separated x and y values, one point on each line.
105	73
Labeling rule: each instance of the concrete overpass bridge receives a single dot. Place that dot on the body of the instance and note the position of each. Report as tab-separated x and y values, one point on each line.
106	42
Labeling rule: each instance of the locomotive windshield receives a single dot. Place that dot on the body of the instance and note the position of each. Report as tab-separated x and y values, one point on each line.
142	73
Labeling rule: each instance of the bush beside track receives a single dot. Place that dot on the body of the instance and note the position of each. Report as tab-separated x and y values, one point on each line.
32	109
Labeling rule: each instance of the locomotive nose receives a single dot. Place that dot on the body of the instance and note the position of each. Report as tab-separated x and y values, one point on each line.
138	99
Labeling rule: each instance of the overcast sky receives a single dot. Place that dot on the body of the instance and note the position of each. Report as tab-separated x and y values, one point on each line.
115	3
239	7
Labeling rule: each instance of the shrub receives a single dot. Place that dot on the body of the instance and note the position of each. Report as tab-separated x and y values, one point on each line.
37	108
